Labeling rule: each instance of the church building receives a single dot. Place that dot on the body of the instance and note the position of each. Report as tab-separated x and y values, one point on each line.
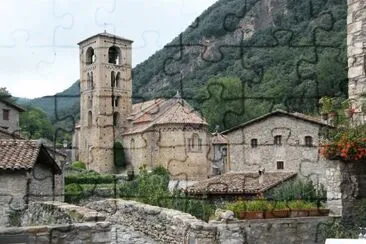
157	132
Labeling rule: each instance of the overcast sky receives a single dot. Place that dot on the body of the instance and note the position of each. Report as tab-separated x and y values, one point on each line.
38	43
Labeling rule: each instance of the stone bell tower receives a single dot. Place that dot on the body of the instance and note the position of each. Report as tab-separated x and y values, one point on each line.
356	43
105	98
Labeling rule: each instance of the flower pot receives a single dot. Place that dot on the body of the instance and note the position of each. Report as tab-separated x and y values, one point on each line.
314	212
281	213
254	215
296	213
269	215
242	215
323	211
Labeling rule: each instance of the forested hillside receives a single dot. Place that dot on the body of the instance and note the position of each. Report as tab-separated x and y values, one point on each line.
241	59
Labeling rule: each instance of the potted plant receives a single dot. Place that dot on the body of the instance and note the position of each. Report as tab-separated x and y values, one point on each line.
326	106
238	208
298	208
268	210
254	209
280	210
313	209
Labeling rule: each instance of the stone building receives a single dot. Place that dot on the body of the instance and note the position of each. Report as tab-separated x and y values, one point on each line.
157	132
27	173
9	118
356	38
277	142
219	154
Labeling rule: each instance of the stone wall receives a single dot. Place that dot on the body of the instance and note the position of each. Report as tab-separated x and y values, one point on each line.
346	187
57	222
42	213
12	193
99	232
356	36
171	226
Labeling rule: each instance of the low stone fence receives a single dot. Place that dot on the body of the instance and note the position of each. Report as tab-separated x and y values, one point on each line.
99	232
171	226
46	213
57	222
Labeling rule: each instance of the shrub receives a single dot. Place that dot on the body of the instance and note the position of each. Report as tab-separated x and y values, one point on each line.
256	205
78	165
298	189
89	178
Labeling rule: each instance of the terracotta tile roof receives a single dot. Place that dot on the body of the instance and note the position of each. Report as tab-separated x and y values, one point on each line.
18	154
218	138
296	115
21	154
239	183
5	134
159	111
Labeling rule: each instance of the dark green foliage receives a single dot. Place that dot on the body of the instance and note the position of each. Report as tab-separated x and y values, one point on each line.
35	124
89	178
78	165
119	155
298	189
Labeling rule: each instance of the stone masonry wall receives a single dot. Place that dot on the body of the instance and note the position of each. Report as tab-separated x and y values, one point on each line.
171	226
57	222
356	36
99	232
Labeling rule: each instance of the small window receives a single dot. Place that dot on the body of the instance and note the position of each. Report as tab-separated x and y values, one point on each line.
90	119
308	141
278	140
132	144
113	79
6	113
195	143
280	165
254	142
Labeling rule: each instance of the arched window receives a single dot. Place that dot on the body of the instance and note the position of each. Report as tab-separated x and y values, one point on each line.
308	141
195	143
113	79
278	140
114	55
118	79
88	82
90	102
90	119
90	56
91	80
115	118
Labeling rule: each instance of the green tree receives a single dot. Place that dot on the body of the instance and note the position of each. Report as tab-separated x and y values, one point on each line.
35	124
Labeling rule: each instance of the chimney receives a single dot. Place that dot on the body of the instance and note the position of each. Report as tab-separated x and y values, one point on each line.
261	175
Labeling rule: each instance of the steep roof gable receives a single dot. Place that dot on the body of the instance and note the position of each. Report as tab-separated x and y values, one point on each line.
296	115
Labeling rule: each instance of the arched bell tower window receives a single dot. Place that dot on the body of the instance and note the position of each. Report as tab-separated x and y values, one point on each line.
90	119
90	56
91	80
113	79
118	77
114	54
